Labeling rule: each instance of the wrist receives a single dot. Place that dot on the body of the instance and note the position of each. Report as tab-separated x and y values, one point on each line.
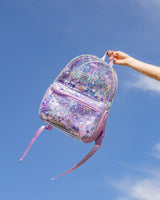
130	62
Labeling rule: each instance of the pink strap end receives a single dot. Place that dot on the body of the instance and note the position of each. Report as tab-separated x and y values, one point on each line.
39	131
93	150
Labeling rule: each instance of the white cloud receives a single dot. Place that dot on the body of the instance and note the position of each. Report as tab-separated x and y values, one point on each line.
146	83
156	151
132	187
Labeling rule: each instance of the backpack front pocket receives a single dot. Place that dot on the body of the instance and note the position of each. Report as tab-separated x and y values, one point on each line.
72	114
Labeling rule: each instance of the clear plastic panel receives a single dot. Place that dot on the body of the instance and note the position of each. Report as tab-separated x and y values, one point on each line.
68	114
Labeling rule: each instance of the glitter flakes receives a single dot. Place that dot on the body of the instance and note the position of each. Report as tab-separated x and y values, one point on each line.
90	82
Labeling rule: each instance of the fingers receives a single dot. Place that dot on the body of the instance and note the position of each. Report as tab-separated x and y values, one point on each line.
119	61
116	54
113	55
110	53
119	57
116	61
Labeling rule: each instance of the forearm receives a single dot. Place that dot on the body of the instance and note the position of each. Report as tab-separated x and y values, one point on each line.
144	68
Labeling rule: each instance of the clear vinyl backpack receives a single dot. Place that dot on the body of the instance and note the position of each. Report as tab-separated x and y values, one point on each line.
78	102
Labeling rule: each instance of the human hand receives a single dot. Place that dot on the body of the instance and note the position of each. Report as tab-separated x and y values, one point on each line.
119	57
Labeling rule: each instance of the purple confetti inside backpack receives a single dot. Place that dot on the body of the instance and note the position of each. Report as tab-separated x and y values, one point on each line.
78	102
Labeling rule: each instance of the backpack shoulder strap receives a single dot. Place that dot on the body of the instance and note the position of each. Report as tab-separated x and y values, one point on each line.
39	131
96	146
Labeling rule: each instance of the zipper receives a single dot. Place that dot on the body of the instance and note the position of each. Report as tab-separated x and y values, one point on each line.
60	92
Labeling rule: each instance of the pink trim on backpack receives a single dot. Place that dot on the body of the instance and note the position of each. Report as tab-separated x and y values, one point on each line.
99	128
94	106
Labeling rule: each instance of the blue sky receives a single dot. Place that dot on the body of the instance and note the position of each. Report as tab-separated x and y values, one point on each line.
38	38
